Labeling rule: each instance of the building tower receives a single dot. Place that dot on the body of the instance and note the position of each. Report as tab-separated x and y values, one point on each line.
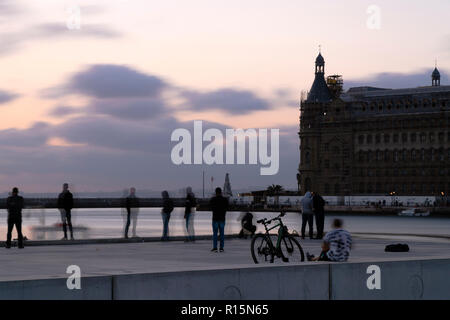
435	78
311	114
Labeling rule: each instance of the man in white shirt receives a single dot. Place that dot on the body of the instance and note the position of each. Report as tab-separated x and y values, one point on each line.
336	245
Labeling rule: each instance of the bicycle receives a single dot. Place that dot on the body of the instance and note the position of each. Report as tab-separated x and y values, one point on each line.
264	250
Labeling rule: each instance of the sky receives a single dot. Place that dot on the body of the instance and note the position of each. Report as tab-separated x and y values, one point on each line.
90	91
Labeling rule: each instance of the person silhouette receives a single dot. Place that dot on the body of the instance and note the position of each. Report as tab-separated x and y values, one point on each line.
65	205
14	205
132	206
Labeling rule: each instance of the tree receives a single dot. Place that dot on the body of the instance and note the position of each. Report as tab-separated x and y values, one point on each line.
275	190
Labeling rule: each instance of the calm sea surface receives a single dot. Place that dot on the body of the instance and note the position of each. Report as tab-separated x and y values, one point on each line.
39	224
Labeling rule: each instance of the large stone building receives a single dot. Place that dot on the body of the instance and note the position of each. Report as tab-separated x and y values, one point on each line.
374	141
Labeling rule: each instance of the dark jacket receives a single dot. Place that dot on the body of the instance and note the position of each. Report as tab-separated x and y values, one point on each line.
131	202
219	206
318	204
167	205
190	203
65	200
14	205
247	221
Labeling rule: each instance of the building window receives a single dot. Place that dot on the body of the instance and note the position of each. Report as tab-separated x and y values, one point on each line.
423	137
396	156
413	137
361	187
307	157
413	155
431	137
387	138
404	137
361	139
327	146
441	137
377	138
422	154
327	188
395	137
327	163
378	188
369	138
360	156
337	188
386	155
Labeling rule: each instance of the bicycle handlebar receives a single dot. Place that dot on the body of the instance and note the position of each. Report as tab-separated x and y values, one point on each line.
265	221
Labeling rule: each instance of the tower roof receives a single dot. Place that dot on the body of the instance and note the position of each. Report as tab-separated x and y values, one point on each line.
320	60
319	90
435	74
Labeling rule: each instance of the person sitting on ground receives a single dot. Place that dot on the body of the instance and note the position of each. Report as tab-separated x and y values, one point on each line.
336	245
248	228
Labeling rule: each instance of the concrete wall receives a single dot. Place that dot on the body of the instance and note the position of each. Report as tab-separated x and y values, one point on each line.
419	279
409	279
286	283
92	288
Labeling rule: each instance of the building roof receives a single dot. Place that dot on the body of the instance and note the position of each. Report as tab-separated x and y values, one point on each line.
435	73
320	60
319	90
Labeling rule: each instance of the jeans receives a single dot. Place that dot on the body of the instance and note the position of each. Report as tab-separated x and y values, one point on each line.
17	221
166	218
320	219
307	218
190	226
131	215
66	218
218	226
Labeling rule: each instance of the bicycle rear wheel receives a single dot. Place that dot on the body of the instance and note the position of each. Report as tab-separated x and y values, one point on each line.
291	249
261	248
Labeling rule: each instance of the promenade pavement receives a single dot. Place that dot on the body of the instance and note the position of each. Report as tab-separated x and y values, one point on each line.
51	261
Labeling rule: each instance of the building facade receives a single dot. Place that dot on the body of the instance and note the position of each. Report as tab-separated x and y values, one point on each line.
374	141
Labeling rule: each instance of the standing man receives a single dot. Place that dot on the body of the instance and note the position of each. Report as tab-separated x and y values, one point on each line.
307	214
219	206
14	205
132	205
165	213
319	213
65	205
190	205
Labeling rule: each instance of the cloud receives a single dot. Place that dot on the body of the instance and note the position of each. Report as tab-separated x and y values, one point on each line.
131	109
62	111
110	81
116	153
13	41
34	136
51	30
228	100
7	96
398	80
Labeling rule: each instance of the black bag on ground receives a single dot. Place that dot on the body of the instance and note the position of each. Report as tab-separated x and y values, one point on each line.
399	247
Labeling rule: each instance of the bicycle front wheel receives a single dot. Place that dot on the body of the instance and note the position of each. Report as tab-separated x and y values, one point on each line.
261	248
291	249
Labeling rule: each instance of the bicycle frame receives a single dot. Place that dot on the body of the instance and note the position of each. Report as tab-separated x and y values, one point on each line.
280	231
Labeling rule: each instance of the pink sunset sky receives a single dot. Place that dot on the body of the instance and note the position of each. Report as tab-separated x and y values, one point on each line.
95	106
